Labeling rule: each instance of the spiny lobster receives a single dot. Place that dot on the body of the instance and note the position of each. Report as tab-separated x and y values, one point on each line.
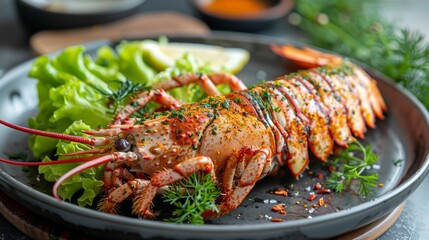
237	138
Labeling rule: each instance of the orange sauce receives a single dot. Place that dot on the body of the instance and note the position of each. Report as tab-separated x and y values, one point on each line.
236	8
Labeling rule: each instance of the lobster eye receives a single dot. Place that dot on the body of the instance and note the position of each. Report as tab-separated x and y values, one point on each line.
122	144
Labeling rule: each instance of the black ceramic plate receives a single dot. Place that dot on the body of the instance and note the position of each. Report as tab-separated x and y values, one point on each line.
403	136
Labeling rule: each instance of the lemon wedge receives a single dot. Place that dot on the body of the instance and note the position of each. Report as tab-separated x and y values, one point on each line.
161	56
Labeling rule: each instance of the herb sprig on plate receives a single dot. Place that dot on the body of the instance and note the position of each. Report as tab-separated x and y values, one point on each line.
350	164
191	198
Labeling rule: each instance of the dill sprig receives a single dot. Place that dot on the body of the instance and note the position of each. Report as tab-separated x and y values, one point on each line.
350	165
191	198
355	29
127	89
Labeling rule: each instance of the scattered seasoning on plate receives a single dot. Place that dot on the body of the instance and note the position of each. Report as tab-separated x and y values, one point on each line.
324	191
280	191
276	220
317	186
280	208
270	201
311	197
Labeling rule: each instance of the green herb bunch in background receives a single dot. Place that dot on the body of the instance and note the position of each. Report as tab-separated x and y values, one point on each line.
355	29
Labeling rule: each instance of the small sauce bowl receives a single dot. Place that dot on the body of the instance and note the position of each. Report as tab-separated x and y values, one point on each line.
242	15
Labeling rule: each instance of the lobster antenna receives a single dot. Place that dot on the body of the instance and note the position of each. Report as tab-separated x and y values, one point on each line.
78	169
32	164
61	136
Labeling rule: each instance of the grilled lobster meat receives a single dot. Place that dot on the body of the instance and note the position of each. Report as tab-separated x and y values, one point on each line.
237	138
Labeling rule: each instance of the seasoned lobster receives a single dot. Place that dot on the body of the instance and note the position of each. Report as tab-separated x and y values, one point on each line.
237	138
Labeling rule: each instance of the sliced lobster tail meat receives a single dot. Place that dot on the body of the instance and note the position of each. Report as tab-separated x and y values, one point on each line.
319	139
377	103
263	116
336	78
366	108
296	142
338	126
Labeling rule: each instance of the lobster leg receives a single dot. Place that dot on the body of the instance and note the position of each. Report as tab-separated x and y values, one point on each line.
158	95
141	205
114	175
250	165
206	82
109	204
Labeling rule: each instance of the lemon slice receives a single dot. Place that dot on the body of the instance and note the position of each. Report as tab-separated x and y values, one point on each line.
161	56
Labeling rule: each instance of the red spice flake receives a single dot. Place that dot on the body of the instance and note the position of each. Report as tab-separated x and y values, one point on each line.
283	212
321	201
276	220
280	191
317	186
315	205
311	197
278	207
319	176
324	191
331	168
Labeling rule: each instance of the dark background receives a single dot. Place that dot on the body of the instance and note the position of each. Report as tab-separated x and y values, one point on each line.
413	222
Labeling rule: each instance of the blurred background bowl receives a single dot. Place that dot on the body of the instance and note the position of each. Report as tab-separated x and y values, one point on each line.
242	15
39	15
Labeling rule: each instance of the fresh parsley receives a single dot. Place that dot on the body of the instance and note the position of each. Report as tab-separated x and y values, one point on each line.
350	164
192	197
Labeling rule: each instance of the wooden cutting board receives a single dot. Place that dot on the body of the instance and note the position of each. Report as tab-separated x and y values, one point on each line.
145	24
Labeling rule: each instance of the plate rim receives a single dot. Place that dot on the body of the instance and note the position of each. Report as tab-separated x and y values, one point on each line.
419	175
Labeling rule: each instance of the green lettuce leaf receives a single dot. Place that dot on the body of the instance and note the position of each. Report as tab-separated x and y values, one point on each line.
132	64
87	182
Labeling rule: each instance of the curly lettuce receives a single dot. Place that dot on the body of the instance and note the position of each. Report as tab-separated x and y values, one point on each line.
87	182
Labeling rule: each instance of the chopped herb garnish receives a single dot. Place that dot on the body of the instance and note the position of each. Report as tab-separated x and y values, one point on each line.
214	129
398	162
179	114
225	104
